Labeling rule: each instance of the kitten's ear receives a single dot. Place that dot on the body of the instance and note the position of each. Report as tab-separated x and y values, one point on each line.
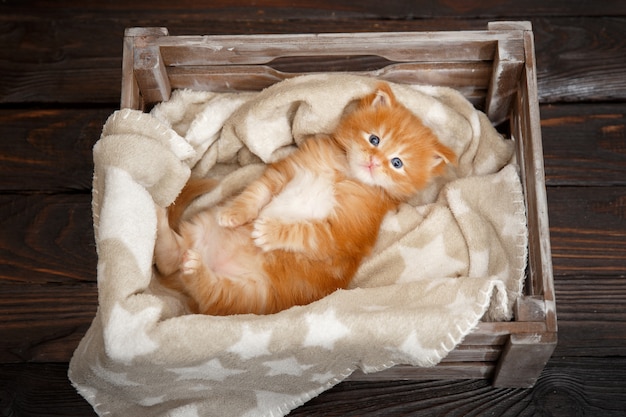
382	97
442	157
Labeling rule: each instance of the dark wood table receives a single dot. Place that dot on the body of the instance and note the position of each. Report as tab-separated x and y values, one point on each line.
60	77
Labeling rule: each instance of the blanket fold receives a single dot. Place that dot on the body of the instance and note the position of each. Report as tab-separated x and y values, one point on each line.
452	256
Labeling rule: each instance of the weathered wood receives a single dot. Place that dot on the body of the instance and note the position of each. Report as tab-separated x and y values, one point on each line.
470	79
598	298
44	323
530	308
149	70
523	358
48	150
526	131
584	144
576	64
40	62
244	62
46	239
29	390
447	370
588	230
232	10
592	337
508	61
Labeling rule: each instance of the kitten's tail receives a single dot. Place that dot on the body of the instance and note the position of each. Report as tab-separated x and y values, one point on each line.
192	190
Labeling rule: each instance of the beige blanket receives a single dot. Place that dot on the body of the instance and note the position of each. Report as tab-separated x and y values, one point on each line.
452	257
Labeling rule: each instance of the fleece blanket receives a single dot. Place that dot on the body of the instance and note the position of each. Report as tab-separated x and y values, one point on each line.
449	258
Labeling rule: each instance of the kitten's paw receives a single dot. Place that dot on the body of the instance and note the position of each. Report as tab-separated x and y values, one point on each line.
227	217
262	233
191	262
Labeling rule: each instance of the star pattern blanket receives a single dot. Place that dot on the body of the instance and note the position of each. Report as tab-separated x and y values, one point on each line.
453	256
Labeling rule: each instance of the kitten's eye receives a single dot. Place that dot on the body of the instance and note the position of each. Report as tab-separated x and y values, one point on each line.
397	163
374	140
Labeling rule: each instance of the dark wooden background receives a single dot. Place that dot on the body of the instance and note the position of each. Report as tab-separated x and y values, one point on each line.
60	75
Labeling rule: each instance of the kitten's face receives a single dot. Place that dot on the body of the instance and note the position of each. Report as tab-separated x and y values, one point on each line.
387	146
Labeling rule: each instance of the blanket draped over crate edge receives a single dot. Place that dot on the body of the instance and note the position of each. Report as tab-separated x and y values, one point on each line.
452	256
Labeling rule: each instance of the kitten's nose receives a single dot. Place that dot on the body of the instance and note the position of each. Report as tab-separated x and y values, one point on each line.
372	165
374	162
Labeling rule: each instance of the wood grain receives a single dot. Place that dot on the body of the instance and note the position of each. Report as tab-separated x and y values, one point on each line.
25	391
584	144
51	58
49	149
328	9
588	230
44	323
46	239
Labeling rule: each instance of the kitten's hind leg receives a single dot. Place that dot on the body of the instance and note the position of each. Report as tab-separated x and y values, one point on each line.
220	295
191	262
167	247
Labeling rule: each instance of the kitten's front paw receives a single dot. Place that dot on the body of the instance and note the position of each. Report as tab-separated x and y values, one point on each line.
262	233
228	217
191	262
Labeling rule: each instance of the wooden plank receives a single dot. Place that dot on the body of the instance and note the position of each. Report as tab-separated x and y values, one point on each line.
588	230
48	149
592	298
233	10
591	337
526	130
43	390
468	79
444	370
262	49
507	68
523	359
149	70
580	59
584	144
44	323
46	239
51	58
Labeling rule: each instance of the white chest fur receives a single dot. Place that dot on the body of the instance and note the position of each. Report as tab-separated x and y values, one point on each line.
306	196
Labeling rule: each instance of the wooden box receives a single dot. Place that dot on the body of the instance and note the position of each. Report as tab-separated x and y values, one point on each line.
494	69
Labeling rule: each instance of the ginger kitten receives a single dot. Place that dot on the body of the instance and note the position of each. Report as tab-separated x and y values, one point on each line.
300	231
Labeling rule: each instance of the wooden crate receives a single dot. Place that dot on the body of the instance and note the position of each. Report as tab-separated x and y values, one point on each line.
494	69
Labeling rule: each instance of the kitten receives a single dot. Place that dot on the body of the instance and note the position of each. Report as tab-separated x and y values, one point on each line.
300	231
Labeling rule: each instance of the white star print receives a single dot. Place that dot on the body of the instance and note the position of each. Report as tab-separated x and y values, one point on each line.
125	218
252	344
324	330
116	378
125	335
430	261
457	203
211	370
322	378
289	366
423	356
